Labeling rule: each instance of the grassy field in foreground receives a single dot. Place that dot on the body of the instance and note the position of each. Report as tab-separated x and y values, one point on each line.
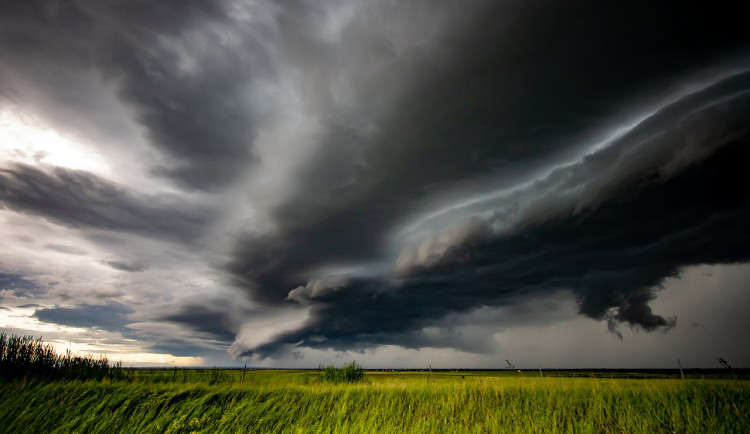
294	401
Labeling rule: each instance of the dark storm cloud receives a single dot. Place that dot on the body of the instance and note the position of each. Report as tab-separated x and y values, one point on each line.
174	62
662	145
343	122
211	321
503	88
613	258
82	200
112	316
610	228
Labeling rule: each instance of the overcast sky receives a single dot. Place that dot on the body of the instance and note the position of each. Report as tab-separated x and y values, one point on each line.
403	183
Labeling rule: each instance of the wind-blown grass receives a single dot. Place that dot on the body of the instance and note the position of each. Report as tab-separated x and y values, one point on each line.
29	357
275	401
349	373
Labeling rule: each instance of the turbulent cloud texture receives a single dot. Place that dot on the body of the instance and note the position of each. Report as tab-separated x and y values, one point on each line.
80	199
281	178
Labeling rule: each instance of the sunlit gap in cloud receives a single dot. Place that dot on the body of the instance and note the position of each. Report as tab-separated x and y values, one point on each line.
19	318
24	139
128	355
421	226
82	341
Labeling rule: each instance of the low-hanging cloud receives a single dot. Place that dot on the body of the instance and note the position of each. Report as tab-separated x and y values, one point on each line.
680	204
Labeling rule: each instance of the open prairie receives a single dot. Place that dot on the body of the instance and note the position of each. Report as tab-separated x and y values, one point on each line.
213	401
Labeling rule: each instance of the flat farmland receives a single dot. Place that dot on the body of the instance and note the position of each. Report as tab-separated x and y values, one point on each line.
214	400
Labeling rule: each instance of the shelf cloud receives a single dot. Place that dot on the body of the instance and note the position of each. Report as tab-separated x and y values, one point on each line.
280	181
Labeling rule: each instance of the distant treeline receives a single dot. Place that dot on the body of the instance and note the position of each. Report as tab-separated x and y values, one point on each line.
29	357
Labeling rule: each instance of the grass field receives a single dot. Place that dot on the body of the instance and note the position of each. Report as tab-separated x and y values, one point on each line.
214	401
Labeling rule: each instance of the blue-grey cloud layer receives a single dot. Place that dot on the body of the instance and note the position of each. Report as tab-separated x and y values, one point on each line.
83	200
111	316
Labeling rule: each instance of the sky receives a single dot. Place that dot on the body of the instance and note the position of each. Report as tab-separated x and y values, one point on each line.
400	183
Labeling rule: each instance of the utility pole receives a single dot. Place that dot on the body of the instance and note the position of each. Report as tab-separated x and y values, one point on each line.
430	376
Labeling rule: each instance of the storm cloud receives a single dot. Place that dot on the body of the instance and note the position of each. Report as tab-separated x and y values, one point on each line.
311	177
187	75
482	108
83	200
614	273
548	141
204	319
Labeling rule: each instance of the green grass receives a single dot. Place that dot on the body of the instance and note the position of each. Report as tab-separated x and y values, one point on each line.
213	401
349	373
29	357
